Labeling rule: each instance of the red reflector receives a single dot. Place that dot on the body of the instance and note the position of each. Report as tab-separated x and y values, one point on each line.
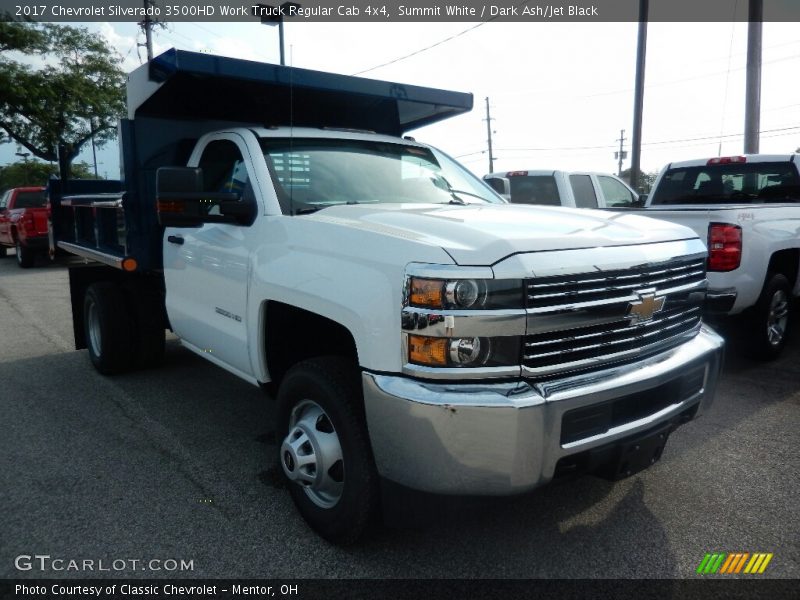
129	264
170	206
727	160
516	174
724	247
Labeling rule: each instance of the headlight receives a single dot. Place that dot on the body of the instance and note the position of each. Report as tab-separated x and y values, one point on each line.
464	351
464	294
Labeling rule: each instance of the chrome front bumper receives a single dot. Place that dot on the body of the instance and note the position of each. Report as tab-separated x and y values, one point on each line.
504	438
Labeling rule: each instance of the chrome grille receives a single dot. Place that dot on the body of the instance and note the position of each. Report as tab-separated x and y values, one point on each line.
593	287
581	322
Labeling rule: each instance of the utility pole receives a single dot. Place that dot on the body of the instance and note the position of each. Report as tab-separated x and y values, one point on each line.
752	108
489	134
621	155
638	100
147	25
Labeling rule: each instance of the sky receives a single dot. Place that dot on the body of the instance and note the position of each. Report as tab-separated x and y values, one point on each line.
559	93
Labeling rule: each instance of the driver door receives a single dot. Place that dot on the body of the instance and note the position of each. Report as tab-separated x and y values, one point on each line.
207	268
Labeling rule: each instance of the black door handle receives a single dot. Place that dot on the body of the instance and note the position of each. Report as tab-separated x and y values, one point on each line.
175	239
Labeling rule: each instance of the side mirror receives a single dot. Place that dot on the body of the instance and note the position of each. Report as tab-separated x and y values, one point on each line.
641	201
182	202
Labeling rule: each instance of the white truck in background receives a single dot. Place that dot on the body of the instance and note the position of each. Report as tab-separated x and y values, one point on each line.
415	326
577	189
747	208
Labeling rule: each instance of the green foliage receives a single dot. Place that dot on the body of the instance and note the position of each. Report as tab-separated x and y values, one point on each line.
21	38
646	180
33	172
79	87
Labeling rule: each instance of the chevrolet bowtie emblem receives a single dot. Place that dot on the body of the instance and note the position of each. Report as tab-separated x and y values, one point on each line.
644	308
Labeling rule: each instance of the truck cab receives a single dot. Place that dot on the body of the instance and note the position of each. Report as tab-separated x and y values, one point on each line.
562	188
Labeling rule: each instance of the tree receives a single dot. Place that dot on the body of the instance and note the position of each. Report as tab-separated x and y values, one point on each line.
646	180
33	172
54	110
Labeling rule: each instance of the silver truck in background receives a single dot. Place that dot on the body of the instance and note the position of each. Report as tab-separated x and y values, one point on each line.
747	209
579	189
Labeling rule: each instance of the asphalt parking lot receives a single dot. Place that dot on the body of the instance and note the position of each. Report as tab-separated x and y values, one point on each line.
178	463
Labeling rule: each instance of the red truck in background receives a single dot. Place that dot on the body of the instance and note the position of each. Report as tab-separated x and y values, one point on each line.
23	223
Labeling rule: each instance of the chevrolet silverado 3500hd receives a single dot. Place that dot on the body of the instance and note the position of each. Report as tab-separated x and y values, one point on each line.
416	327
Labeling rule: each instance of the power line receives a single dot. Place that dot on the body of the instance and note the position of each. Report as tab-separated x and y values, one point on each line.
206	29
421	50
649	85
606	147
439	43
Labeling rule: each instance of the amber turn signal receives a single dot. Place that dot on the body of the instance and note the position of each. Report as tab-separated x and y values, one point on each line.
428	351
428	293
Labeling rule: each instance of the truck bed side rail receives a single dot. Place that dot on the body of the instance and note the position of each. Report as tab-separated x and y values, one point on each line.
91	222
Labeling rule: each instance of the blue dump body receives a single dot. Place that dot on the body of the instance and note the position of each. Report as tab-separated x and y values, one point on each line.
178	97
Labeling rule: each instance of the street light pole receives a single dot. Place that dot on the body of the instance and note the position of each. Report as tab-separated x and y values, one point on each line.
638	101
273	15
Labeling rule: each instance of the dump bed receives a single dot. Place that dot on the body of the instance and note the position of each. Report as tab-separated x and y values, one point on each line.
178	97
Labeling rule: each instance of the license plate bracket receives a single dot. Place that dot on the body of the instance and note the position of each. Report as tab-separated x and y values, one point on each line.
636	454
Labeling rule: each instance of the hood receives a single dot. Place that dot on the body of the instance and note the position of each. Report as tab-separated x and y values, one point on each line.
486	234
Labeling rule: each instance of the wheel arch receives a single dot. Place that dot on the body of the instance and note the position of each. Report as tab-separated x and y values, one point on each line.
293	334
786	262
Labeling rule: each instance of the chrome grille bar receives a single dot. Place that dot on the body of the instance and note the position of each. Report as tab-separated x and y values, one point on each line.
552	291
580	321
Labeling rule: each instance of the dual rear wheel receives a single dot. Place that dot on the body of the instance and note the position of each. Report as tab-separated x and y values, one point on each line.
123	328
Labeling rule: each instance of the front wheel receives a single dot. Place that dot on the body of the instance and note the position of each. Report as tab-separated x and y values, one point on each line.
25	256
325	452
769	319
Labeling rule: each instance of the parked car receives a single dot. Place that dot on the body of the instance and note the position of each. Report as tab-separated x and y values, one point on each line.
563	188
23	223
748	209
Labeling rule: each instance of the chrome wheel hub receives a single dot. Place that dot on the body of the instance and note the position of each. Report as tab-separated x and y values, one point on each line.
777	318
311	455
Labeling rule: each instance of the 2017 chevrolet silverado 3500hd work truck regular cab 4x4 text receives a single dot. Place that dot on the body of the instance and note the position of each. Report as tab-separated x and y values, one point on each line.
416	327
748	209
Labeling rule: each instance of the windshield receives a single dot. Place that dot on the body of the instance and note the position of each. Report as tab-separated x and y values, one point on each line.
312	174
735	183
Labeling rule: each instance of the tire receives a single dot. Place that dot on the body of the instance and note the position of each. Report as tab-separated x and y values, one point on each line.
25	256
107	328
767	323
3	251
149	333
321	421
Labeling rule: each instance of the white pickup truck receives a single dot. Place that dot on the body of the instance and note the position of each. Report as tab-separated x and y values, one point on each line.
748	210
563	188
415	326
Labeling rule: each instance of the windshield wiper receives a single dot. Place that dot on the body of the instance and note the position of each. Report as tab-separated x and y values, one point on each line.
307	210
456	200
